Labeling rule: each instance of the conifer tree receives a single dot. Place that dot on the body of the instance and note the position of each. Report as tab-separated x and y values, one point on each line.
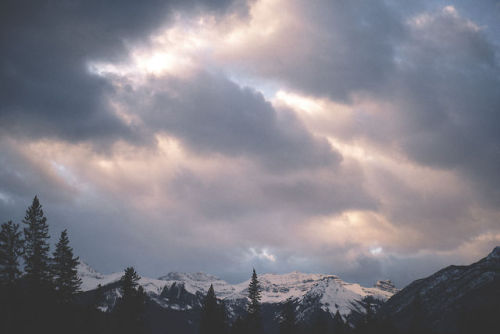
39	302
129	282
129	310
288	323
36	246
11	305
213	317
253	310
64	270
11	247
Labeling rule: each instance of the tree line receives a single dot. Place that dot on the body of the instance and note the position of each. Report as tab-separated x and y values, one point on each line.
39	293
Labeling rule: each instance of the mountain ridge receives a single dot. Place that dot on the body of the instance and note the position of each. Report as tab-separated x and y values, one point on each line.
185	291
448	297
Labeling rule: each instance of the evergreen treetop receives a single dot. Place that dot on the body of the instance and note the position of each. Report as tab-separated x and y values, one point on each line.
253	320
64	269
129	282
129	310
254	294
213	315
36	245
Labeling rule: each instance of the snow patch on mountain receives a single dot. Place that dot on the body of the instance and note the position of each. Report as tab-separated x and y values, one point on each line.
329	290
91	278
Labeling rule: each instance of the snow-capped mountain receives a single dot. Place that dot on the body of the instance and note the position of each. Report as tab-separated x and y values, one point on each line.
309	292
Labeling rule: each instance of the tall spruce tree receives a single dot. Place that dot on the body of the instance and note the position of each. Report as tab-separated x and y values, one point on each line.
64	270
11	248
36	245
254	320
129	310
213	315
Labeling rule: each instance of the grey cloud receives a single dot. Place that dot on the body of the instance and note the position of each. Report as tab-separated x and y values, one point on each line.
211	114
337	48
46	89
443	81
438	220
447	93
401	270
441	77
247	195
367	271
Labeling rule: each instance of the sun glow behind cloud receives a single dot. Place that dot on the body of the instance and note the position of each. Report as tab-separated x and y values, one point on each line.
192	44
216	114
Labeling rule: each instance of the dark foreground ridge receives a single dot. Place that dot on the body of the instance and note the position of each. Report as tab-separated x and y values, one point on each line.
456	299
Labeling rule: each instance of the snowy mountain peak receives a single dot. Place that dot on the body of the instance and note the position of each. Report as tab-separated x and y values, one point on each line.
92	278
86	269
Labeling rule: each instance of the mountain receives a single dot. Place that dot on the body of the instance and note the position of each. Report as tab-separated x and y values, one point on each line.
184	292
456	299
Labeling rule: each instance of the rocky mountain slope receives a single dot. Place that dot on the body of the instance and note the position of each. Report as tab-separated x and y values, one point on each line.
455	299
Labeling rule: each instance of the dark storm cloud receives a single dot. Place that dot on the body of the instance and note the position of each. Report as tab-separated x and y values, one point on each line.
211	114
46	89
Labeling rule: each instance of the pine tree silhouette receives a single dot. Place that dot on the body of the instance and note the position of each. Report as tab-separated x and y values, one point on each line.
11	249
64	270
38	292
129	310
36	245
254	320
213	315
10	301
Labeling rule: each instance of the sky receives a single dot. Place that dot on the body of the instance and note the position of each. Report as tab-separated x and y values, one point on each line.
358	138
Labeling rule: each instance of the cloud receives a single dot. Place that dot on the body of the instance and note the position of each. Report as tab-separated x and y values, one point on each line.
46	88
337	47
433	69
211	114
219	136
450	122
